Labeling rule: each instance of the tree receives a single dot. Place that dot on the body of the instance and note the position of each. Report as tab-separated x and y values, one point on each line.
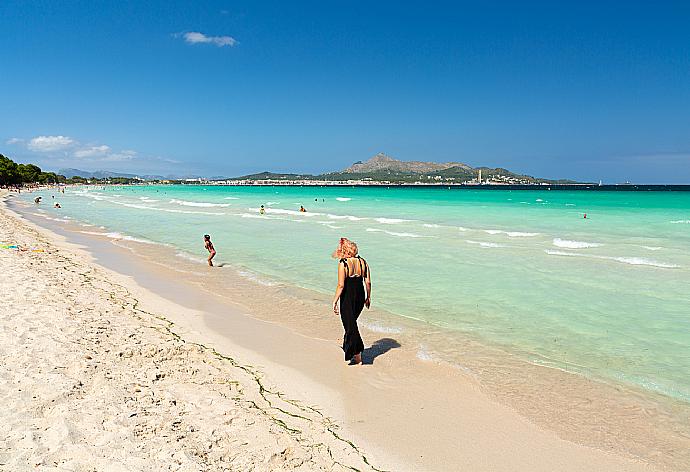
9	174
28	172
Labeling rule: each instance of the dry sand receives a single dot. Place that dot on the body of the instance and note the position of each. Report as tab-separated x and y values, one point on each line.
100	373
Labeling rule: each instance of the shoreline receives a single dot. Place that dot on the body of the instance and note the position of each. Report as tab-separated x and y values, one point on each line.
486	417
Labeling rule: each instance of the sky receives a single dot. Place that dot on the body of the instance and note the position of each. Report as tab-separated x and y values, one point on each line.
587	90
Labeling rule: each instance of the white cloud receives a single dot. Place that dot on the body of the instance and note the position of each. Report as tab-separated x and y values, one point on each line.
50	143
120	156
92	151
14	141
195	37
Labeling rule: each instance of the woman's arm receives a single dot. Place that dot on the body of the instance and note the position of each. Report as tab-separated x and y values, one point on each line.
367	283
339	288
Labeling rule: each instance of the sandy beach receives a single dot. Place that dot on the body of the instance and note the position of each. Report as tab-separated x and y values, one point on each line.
104	370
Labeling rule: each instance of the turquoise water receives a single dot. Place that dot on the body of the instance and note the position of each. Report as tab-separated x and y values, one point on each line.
607	295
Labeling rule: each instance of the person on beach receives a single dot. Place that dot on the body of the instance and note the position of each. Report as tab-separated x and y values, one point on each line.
209	247
353	275
262	210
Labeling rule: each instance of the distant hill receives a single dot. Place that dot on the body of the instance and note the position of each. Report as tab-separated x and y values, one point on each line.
105	174
383	168
382	162
99	174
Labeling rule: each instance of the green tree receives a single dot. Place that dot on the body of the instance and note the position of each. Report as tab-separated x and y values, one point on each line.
28	172
9	174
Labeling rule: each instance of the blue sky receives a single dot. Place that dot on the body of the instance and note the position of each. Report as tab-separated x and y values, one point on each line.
586	90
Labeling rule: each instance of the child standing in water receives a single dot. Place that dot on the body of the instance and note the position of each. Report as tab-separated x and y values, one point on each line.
209	247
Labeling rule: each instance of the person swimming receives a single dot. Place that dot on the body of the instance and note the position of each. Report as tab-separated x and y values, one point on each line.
57	205
37	200
302	209
262	210
209	247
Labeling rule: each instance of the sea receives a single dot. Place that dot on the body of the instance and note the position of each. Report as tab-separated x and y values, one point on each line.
592	282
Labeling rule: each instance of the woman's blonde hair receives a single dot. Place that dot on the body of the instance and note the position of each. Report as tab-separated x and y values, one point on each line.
345	249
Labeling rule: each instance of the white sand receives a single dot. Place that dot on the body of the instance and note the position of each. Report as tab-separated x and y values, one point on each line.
88	382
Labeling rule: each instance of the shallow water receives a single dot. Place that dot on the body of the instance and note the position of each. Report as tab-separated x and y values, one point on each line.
606	296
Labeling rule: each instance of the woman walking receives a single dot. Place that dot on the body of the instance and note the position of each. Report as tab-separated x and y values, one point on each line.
353	275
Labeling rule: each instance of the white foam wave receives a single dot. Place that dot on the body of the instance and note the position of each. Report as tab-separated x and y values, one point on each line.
168	210
626	260
199	204
563	253
395	233
379	328
189	257
680	222
231	198
643	261
424	355
564	243
282	211
119	236
343	217
539	200
511	234
390	221
460	228
430	225
484	243
652	248
255	278
343	199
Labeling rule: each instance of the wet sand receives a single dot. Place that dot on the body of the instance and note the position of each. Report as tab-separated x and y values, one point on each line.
401	412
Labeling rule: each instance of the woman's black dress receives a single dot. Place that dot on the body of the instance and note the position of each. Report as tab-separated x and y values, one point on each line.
351	305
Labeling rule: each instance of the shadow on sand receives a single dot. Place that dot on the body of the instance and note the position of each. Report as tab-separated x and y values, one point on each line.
377	349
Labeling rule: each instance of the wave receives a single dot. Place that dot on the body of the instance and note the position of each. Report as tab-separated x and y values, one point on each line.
148	199
168	210
430	225
395	233
189	257
282	211
379	328
625	260
272	203
343	199
484	244
390	221
643	261
119	236
680	222
511	234
423	354
463	229
652	248
198	204
539	200
231	198
563	253
558	242
343	217
255	278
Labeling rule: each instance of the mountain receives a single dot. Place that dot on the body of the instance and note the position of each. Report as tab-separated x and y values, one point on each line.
384	168
99	174
382	162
